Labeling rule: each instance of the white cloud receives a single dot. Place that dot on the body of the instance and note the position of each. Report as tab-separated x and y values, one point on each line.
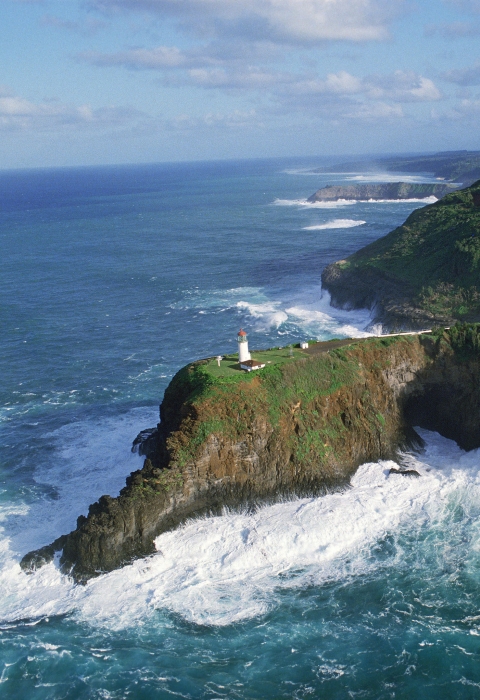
285	20
398	87
250	78
18	113
402	86
376	111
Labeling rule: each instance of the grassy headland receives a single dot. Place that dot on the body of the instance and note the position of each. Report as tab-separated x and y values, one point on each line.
428	267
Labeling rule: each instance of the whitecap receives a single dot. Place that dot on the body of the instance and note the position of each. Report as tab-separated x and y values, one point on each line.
313	205
414	200
268	315
393	177
335	223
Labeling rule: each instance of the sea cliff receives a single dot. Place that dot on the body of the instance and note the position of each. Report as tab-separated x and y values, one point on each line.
424	273
390	190
302	425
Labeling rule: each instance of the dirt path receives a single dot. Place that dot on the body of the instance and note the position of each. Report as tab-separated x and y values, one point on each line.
322	347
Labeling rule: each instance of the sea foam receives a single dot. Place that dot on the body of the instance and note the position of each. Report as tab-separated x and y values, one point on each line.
335	223
88	459
225	569
313	205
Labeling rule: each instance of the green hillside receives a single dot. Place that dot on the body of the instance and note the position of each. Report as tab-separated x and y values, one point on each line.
433	258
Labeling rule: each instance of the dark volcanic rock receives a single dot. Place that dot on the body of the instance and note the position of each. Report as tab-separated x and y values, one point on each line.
404	472
389	299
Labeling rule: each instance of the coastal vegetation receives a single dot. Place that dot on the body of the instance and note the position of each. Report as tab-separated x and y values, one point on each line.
424	272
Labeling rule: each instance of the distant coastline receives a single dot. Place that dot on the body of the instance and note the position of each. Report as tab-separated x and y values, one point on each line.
384	191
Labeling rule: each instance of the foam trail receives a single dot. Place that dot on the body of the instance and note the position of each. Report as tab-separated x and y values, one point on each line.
89	458
313	205
349	202
335	223
224	569
393	177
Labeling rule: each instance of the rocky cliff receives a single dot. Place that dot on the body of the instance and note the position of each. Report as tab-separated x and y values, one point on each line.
300	426
390	190
424	273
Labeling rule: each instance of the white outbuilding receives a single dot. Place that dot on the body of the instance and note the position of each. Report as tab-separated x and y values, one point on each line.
250	365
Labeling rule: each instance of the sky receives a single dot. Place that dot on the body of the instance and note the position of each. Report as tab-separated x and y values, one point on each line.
87	82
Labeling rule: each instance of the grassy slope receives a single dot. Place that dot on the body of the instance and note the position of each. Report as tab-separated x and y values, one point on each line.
228	403
435	254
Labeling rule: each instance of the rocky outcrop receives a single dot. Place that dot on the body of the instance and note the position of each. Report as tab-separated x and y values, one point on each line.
390	190
300	428
390	299
424	273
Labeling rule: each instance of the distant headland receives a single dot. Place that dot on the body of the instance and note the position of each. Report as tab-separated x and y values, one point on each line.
390	190
455	168
460	167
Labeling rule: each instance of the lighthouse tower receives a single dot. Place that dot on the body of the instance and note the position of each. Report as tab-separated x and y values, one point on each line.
243	354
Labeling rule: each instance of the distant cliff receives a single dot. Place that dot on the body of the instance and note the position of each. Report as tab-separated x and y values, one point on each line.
390	190
302	425
424	273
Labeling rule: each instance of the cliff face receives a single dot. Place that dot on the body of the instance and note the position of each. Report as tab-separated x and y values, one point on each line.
423	273
302	427
390	190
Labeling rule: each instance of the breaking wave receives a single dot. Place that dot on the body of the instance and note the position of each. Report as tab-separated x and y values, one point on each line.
225	569
336	223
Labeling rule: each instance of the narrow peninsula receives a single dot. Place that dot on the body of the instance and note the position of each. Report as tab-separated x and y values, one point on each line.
301	424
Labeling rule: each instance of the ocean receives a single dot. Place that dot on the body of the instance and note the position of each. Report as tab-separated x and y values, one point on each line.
112	279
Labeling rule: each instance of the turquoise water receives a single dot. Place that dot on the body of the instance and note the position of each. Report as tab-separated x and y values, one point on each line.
112	279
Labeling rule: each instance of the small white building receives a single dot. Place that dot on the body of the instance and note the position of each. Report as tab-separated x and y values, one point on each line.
250	365
304	345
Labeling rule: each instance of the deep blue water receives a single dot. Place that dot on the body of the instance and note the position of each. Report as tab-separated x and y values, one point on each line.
112	279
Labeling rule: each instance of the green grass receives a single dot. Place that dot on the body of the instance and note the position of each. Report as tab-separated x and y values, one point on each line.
434	256
230	368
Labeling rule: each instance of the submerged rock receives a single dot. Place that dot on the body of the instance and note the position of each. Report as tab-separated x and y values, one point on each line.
404	472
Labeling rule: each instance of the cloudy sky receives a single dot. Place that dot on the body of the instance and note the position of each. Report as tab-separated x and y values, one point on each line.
127	81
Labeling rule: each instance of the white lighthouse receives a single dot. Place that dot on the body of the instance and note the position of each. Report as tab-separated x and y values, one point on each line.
243	354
